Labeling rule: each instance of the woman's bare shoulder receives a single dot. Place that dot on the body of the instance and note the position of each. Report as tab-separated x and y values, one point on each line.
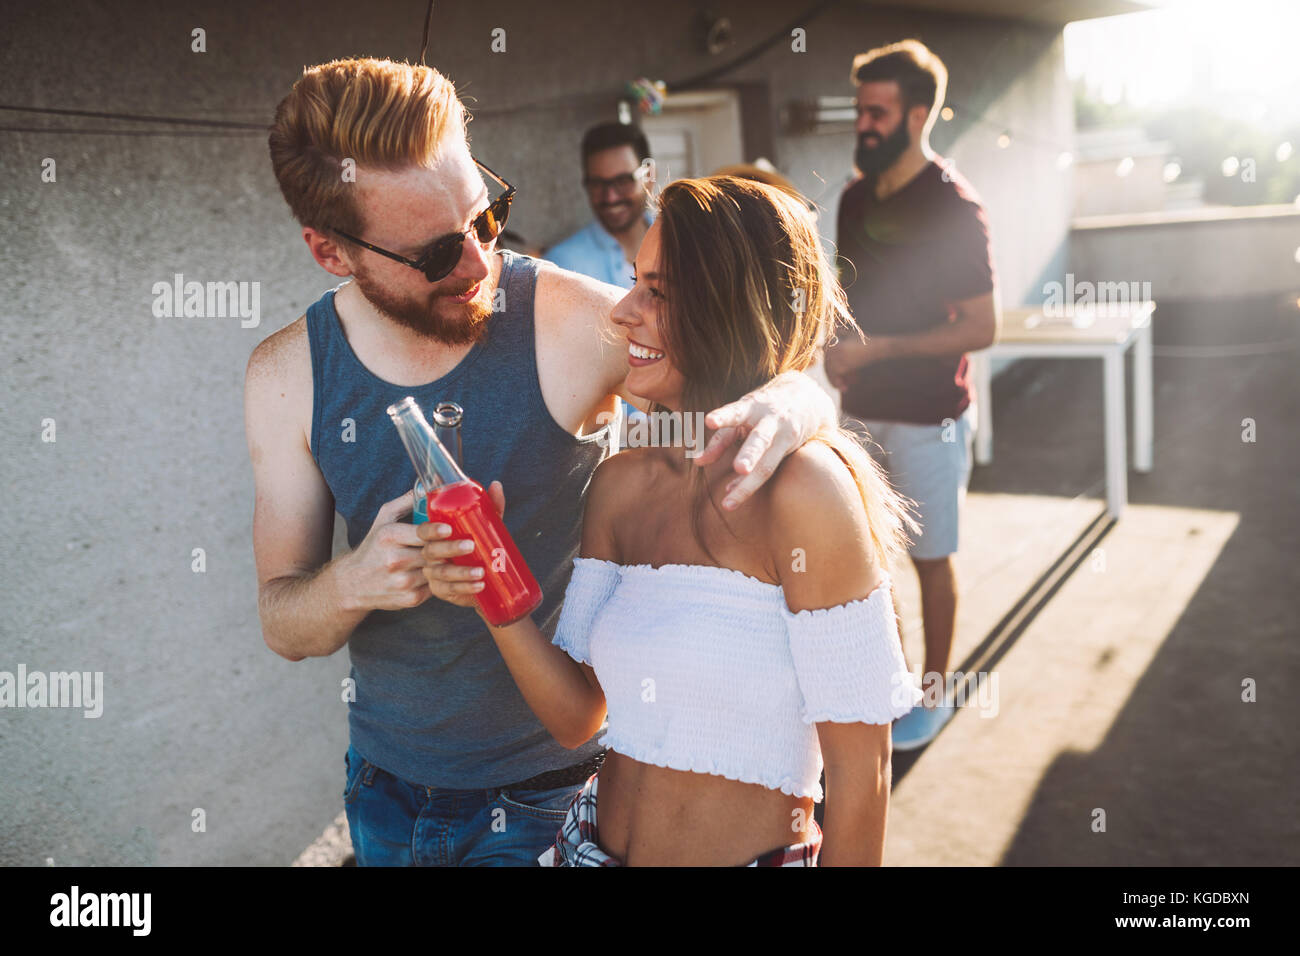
814	472
821	538
622	476
619	484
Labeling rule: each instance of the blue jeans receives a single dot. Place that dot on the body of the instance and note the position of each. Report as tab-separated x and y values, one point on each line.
396	823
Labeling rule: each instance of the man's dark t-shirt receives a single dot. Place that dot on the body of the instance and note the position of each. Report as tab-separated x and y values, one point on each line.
904	261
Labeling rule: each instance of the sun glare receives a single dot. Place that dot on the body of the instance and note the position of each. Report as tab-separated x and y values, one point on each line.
1236	54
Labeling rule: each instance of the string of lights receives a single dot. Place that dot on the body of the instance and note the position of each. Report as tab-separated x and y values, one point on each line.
1004	136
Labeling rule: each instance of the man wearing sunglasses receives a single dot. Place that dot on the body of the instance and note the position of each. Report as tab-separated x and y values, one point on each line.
447	765
617	175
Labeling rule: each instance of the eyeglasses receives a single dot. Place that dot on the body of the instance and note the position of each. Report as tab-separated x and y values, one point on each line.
443	254
624	184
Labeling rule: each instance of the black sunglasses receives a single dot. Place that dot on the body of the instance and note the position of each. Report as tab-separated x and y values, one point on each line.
443	254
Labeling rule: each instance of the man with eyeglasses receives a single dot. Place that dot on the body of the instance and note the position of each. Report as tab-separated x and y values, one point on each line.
446	764
618	175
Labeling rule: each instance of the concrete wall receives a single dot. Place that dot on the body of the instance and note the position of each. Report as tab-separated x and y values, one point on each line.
1098	190
149	461
1207	254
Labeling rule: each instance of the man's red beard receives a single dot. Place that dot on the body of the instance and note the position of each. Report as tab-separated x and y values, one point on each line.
433	316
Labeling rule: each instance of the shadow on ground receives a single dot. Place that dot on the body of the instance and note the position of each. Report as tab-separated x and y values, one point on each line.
1187	773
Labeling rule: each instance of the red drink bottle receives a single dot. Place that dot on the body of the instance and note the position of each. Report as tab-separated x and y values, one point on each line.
510	591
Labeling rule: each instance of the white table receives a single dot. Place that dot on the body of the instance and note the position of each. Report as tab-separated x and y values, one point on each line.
1104	332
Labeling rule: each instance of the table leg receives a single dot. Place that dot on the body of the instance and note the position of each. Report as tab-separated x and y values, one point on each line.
1142	401
984	396
1116	466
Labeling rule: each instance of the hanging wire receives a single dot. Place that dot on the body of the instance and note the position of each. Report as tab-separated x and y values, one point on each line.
126	132
424	44
700	78
214	127
574	100
139	118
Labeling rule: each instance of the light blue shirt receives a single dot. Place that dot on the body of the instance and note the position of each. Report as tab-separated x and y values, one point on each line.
593	252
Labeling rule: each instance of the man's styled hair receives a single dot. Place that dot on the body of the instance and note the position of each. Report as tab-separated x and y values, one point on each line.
372	112
921	76
610	135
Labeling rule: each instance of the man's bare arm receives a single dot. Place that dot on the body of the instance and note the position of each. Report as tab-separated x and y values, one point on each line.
581	354
977	325
308	604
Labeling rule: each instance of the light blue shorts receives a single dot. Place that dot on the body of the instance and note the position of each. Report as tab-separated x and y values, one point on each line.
930	464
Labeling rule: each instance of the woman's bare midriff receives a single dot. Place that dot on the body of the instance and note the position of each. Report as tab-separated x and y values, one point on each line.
654	816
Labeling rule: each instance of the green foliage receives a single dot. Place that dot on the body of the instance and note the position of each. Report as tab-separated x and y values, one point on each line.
1201	139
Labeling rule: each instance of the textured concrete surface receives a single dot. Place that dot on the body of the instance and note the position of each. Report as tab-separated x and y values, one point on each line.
331	848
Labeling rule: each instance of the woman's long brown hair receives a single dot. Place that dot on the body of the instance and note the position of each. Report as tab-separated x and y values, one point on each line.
750	294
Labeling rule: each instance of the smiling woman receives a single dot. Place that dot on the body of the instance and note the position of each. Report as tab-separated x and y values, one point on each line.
752	296
734	659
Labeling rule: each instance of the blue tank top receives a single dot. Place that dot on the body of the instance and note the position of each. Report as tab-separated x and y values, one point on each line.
435	703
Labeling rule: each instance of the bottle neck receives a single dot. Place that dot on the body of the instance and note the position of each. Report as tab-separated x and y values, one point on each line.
434	464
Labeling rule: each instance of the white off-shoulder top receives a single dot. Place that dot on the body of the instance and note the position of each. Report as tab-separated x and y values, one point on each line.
706	669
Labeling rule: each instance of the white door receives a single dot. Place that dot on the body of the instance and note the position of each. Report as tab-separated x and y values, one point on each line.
696	133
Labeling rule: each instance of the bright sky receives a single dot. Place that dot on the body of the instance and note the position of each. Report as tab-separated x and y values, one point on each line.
1240	54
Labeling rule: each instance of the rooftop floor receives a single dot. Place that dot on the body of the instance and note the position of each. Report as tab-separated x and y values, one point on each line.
1121	649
